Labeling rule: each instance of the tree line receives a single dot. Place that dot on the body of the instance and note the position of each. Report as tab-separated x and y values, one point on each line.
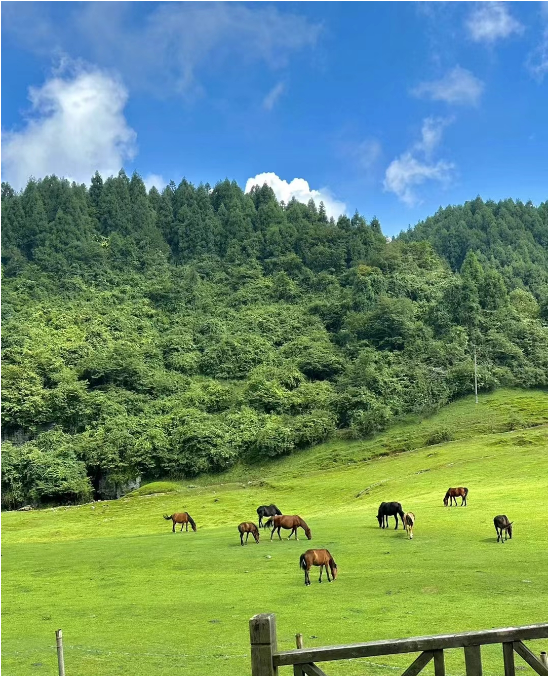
171	334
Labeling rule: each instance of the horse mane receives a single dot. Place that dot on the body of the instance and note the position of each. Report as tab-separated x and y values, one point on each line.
191	521
302	523
278	513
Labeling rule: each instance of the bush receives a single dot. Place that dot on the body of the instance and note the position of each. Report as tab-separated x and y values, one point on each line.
374	419
30	474
439	436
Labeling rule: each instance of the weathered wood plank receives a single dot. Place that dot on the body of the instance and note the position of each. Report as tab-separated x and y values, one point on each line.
410	645
298	670
313	670
508	654
472	659
531	659
439	663
262	631
418	665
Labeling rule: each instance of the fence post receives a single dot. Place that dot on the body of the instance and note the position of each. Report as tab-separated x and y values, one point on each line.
262	631
472	659
60	656
508	653
299	641
544	658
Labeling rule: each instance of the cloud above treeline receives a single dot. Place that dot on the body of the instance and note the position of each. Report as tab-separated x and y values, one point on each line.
457	86
299	189
417	165
168	50
491	21
75	126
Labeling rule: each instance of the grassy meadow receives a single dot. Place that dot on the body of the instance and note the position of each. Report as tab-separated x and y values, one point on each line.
134	598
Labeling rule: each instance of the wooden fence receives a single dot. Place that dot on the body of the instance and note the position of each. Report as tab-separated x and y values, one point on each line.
265	657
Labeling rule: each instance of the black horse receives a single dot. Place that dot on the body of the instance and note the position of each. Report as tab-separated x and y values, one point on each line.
267	510
387	509
503	526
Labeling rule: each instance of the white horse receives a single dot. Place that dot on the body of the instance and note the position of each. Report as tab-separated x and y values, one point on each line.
408	523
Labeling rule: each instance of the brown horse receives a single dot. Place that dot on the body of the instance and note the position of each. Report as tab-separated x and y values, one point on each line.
289	523
453	494
182	518
317	557
248	527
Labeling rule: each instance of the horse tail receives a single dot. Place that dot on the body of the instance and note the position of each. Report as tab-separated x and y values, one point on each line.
167	518
268	523
302	562
465	492
191	521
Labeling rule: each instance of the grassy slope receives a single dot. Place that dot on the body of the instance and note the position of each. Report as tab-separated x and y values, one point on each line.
132	597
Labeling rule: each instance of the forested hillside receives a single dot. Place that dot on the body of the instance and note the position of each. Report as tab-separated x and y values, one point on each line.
175	333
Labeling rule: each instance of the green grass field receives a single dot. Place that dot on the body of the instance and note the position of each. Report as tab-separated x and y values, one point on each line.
133	598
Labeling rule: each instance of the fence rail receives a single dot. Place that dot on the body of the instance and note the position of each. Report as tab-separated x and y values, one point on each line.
265	657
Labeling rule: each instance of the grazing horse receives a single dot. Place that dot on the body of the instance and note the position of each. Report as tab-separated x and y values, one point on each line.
289	523
453	494
503	525
248	527
387	509
182	518
267	510
318	557
408	523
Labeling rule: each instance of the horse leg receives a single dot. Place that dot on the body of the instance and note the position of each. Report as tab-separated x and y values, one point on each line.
396	526
279	529
327	571
173	529
306	576
321	571
242	539
272	533
296	533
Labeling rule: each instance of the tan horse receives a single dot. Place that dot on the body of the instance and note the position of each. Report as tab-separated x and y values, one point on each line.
453	494
182	518
289	523
408	523
317	557
248	527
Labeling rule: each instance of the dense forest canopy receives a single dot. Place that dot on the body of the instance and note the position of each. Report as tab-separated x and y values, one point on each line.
174	333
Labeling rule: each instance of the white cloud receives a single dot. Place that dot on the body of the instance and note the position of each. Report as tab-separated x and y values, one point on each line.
273	95
415	166
300	190
166	49
431	133
458	86
537	60
491	21
76	127
155	180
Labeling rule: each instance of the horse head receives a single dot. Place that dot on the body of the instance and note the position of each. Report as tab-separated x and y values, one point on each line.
308	533
333	567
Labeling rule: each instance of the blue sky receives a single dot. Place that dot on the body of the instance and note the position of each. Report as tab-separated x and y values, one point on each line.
394	108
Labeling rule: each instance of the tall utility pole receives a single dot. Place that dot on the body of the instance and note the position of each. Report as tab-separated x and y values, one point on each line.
475	375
